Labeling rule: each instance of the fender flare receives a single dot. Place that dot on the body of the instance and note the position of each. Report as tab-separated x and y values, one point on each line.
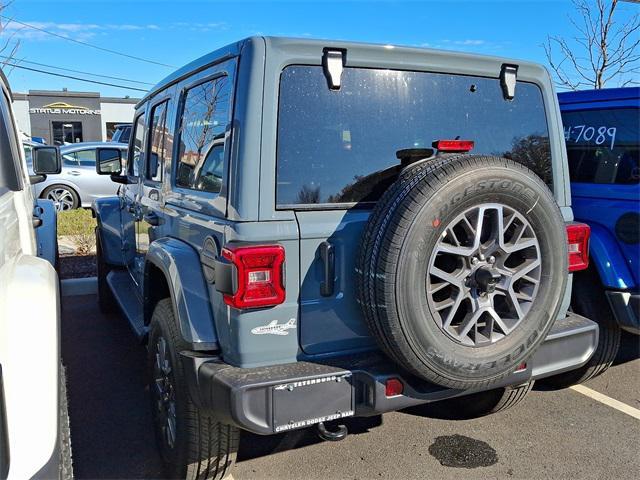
107	213
181	267
608	260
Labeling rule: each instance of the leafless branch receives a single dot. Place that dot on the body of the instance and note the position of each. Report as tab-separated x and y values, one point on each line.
9	45
601	51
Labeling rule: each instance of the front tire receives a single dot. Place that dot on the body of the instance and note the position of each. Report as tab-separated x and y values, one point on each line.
192	443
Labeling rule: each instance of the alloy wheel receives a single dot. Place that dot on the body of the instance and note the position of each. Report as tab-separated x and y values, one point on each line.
164	394
62	198
484	274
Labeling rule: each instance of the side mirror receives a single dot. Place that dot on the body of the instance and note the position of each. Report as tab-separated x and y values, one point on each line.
109	161
46	160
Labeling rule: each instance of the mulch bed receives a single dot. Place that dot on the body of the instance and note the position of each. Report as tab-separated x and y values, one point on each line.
77	266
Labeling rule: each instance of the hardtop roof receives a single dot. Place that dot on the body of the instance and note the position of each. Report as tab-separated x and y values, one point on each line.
235	48
599	95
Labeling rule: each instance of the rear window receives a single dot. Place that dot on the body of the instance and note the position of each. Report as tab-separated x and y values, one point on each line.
603	146
340	146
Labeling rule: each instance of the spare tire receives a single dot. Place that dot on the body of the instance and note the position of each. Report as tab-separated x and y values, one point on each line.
462	269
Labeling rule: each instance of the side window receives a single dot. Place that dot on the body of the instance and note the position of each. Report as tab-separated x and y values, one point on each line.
603	146
205	117
9	165
86	158
137	152
70	159
157	141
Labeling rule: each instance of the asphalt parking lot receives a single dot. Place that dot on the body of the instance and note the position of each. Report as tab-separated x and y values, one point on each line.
553	434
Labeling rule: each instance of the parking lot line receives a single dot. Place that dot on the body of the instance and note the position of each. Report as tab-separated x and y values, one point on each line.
611	402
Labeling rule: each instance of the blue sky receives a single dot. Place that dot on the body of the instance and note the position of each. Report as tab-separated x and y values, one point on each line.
176	32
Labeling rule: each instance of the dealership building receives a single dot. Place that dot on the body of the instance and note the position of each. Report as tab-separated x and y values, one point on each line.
71	117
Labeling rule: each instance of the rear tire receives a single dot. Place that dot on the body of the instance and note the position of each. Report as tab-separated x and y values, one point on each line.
200	447
106	300
588	299
486	403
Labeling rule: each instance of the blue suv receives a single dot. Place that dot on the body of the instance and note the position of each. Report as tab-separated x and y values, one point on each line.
602	133
311	230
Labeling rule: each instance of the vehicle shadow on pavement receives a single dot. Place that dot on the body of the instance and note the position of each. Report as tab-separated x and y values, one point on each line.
111	428
629	351
629	348
254	446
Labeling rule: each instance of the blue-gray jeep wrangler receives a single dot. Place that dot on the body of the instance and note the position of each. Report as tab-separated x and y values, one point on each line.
312	230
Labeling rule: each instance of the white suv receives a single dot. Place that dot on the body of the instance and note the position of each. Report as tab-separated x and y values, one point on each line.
34	426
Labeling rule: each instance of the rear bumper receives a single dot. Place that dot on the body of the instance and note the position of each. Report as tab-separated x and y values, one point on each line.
626	308
278	398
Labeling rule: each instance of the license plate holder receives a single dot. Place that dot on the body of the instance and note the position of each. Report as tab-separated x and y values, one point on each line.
303	403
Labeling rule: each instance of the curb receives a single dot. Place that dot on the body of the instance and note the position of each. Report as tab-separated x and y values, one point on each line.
79	286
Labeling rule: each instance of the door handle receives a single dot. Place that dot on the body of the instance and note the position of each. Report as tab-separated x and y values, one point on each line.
152	219
75	173
328	257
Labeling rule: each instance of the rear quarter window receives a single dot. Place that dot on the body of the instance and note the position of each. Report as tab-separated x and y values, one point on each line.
203	124
339	147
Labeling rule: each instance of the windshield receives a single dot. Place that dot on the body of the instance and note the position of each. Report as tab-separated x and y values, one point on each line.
339	146
603	146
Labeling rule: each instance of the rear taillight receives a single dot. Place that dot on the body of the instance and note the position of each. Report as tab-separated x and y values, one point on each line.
259	275
453	146
578	245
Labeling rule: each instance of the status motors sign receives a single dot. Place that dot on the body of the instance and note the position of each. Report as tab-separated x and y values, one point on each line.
62	108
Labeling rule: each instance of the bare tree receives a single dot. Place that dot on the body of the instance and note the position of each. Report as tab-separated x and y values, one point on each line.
9	45
601	50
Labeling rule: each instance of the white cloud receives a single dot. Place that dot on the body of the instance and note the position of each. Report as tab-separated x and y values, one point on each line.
469	42
200	27
78	31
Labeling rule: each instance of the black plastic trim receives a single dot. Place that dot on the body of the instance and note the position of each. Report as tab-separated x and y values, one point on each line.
246	397
226	276
626	309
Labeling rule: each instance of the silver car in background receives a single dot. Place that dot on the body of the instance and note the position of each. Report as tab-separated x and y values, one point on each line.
78	185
